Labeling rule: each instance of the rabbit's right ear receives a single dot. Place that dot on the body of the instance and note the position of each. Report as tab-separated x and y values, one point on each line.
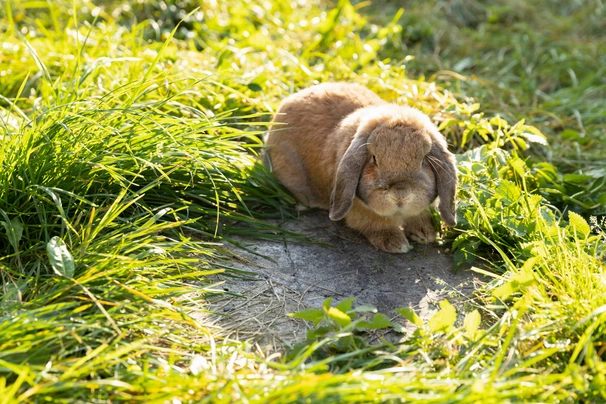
444	167
348	176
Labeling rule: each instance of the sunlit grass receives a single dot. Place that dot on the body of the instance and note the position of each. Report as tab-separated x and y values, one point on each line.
134	141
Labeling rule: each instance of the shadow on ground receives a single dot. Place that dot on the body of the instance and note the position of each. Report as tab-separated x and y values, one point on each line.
290	277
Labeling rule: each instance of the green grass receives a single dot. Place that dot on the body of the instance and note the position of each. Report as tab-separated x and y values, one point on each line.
129	155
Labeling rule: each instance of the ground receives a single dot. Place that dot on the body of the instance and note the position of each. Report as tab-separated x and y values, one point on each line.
286	277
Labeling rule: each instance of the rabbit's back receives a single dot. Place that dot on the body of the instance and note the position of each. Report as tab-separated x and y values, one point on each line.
325	105
304	146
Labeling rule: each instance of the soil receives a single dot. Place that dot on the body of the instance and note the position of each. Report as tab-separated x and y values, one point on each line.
286	277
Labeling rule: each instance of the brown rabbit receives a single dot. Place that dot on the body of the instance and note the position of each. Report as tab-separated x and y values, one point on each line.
340	147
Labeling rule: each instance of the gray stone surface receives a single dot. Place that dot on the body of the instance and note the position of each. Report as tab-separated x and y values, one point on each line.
290	277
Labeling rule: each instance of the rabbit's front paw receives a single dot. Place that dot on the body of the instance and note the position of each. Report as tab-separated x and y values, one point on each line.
420	228
390	240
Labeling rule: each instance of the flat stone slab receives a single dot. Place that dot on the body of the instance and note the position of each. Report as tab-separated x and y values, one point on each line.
290	277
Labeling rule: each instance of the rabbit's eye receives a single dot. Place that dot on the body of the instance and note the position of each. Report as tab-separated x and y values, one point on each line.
374	160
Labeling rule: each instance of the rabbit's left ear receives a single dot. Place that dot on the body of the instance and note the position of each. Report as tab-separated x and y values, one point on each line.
348	175
443	165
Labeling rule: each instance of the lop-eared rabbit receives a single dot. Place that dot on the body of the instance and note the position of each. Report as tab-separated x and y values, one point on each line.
340	147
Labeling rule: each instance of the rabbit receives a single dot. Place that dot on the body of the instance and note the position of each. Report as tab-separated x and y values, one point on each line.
380	166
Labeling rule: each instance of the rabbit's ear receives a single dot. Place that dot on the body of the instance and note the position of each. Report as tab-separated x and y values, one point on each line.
442	163
348	176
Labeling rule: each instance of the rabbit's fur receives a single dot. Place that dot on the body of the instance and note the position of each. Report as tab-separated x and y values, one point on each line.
340	147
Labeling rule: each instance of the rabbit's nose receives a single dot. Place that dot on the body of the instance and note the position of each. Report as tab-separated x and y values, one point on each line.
401	199
398	200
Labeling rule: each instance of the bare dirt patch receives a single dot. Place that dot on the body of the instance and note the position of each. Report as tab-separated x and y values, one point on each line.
289	277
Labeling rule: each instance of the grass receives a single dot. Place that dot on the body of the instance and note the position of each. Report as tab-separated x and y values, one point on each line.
129	144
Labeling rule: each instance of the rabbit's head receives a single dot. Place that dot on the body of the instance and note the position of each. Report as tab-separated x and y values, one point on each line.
397	164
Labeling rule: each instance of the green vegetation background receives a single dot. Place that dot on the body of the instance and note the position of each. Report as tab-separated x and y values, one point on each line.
129	134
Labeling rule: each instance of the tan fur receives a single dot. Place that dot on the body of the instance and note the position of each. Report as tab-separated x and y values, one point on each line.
323	147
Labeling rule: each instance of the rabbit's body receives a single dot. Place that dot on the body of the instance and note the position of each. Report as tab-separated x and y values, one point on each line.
305	136
341	147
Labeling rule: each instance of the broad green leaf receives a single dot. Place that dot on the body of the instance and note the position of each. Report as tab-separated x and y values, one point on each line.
378	321
504	291
472	323
570	134
345	304
365	308
254	87
508	192
338	316
14	230
315	315
518	166
526	275
17	232
60	258
578	224
518	282
444	318
326	303
515	226
499	122
9	294
577	178
533	138
466	254
534	135
411	316
398	328
319	332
